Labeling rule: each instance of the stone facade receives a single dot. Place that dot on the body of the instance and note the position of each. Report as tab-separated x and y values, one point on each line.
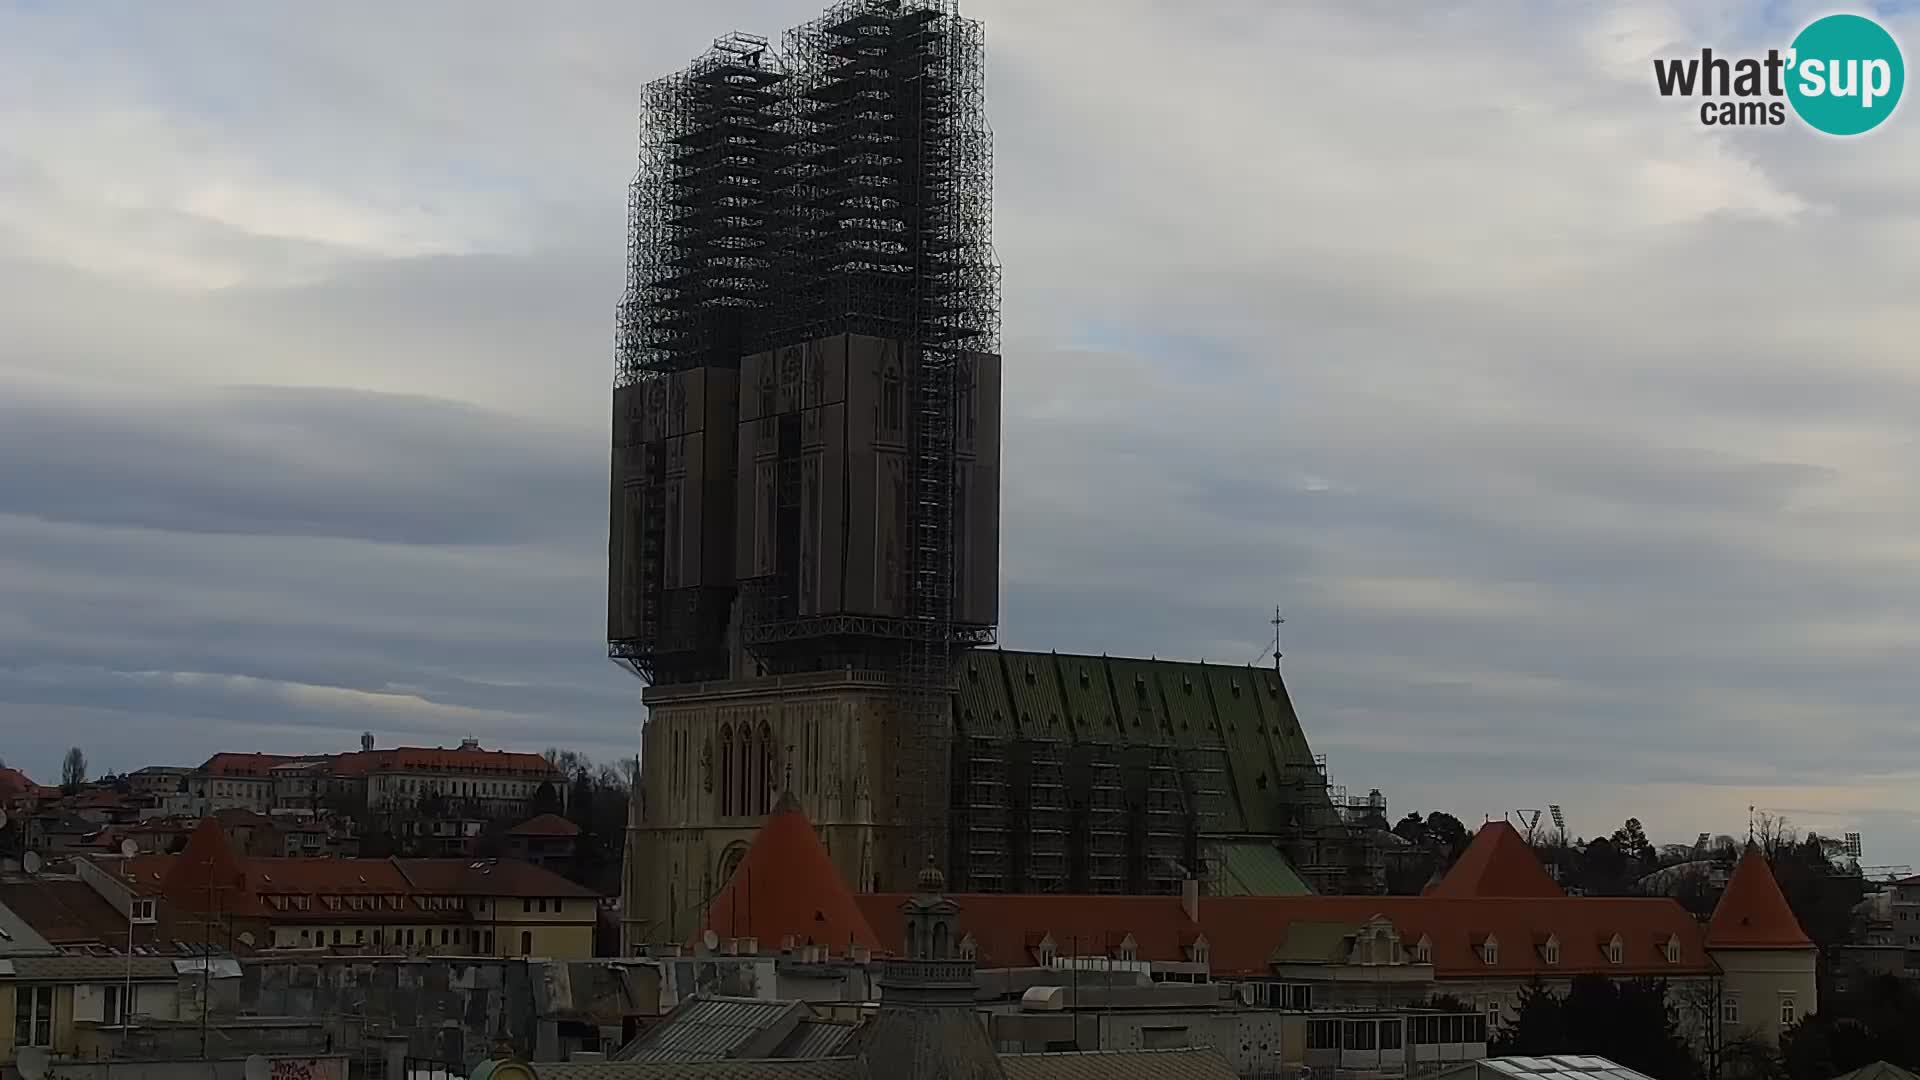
718	756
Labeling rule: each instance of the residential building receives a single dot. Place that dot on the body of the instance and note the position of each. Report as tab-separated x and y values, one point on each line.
159	781
495	783
547	840
375	906
65	972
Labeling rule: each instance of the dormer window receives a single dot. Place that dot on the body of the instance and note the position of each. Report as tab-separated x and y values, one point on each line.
1046	951
1673	950
969	949
1423	951
1490	951
1128	951
1550	952
1616	951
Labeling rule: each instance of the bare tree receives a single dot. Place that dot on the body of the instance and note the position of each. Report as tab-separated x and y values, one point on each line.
73	768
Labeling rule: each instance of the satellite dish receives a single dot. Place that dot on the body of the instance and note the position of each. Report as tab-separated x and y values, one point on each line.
246	938
32	1063
712	940
257	1068
3	819
129	847
32	862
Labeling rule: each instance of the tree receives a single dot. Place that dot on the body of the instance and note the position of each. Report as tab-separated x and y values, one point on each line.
1412	829
1629	1022
1445	830
73	769
546	799
1631	841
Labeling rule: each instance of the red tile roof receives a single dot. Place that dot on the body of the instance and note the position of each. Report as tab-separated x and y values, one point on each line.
1752	913
15	784
1242	932
1498	863
205	876
545	825
70	912
415	758
787	884
259	765
489	877
182	879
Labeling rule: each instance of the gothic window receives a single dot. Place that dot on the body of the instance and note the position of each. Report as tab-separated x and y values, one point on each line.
726	769
767	778
743	773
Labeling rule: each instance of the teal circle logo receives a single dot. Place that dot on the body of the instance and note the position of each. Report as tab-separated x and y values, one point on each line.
1845	75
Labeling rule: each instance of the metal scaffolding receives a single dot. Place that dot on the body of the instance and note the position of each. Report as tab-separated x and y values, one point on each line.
889	212
841	184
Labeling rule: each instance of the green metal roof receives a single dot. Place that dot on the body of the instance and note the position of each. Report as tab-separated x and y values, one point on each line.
1238	712
1257	868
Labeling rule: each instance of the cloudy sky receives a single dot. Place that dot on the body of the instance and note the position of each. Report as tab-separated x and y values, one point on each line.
1576	439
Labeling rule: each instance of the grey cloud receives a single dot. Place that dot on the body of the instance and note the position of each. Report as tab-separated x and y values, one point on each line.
278	461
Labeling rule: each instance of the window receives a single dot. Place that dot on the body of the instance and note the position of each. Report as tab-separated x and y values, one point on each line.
143	911
1323	1035
556	906
110	1006
1616	952
1786	1011
1423	952
543	906
1389	1034
1550	952
446	937
489	945
33	1016
1673	950
1730	1009
303	937
1490	952
526	906
526	943
1493	1012
336	937
1359	1035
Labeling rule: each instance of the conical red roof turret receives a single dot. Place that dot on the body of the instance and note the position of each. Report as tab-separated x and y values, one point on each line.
1753	913
787	884
1498	863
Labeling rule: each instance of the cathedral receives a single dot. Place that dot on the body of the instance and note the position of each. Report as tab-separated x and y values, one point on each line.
804	514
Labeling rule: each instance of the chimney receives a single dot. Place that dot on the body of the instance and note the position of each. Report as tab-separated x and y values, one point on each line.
1190	899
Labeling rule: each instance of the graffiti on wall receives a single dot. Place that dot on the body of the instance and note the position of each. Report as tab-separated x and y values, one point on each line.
308	1069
